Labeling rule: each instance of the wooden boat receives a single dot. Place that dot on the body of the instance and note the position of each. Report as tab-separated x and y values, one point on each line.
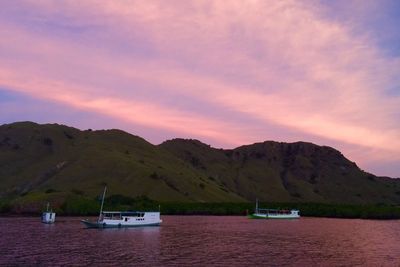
274	213
120	219
48	216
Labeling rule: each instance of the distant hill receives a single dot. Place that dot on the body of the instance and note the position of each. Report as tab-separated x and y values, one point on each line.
287	172
57	161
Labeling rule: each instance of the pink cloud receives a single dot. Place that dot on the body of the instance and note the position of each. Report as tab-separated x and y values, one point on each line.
130	110
274	62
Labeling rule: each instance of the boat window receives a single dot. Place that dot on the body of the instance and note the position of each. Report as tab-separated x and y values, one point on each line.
131	214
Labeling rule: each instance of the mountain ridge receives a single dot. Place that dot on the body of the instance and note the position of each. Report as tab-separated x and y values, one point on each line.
62	160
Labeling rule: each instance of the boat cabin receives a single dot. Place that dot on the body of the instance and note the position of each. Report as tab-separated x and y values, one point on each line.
118	215
48	217
277	212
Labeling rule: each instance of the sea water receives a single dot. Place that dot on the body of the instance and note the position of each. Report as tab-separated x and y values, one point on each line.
202	241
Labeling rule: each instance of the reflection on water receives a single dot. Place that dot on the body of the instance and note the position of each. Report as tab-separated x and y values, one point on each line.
203	240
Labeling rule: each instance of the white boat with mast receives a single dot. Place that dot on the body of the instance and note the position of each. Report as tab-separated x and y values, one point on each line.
121	219
48	216
274	213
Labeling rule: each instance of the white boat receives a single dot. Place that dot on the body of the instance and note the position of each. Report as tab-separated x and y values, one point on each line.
119	219
48	216
274	213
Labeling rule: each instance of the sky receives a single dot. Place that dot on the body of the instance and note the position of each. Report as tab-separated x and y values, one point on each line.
227	73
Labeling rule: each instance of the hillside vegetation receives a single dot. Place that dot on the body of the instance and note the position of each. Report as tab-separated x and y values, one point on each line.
51	162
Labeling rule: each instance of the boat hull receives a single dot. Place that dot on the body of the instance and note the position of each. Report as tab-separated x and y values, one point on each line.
101	225
270	216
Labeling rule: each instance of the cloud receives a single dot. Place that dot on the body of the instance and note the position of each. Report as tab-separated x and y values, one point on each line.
232	72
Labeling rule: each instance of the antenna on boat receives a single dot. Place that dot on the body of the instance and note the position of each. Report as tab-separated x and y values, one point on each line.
102	202
47	206
256	205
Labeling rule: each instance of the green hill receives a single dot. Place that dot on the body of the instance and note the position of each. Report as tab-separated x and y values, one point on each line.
287	172
55	162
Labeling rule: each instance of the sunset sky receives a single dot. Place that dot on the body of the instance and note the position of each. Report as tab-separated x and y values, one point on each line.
225	72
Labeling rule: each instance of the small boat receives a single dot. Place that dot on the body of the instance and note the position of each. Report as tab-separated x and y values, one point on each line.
122	219
48	216
274	213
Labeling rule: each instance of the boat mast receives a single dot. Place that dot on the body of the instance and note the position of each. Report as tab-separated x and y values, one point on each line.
256	205
102	202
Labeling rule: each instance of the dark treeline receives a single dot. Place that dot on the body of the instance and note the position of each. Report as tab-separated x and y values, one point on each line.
306	209
79	205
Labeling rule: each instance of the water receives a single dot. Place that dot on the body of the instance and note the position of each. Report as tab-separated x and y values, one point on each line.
203	241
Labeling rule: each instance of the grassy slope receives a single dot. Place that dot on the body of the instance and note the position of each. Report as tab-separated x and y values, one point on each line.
281	172
53	157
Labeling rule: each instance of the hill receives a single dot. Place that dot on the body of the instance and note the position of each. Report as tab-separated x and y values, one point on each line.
54	162
287	172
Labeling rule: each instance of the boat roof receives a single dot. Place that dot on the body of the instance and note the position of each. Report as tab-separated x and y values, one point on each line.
278	209
127	212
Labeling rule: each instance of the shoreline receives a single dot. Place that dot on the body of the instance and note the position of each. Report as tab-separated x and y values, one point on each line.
318	210
198	215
